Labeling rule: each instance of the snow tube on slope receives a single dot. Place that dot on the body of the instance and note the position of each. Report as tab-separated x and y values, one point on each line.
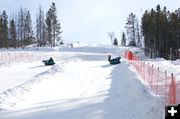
49	63
114	61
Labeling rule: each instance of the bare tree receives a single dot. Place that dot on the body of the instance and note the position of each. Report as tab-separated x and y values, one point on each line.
112	36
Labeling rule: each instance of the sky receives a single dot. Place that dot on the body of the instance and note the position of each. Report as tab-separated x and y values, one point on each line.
89	21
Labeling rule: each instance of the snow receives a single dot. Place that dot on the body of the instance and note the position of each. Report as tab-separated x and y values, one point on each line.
19	74
81	85
169	66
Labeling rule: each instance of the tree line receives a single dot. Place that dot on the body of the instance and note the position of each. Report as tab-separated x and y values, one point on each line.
159	32
18	31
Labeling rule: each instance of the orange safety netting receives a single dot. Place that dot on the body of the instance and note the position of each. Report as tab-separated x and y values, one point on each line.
15	57
163	85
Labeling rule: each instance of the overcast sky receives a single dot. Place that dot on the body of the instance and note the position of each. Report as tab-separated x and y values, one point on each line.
90	20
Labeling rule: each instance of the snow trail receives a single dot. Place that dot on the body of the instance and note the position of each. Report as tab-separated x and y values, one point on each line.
130	98
84	87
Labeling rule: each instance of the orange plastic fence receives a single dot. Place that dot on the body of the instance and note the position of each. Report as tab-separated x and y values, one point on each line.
163	85
9	57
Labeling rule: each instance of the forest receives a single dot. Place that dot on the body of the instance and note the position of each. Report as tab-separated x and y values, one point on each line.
18	31
159	32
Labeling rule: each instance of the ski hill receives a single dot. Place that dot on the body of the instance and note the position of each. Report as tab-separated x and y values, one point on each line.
81	85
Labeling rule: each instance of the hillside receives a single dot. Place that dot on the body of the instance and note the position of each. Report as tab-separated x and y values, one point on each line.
82	84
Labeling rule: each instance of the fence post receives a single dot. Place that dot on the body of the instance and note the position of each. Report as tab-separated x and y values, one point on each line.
174	88
152	76
157	82
172	91
148	73
1	57
144	71
139	65
165	85
9	57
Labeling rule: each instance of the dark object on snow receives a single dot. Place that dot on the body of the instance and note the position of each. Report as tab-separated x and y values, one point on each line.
115	60
49	62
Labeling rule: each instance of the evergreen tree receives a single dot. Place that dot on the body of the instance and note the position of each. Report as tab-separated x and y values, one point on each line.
49	28
20	31
115	42
1	32
58	32
159	29
130	29
15	17
40	28
5	41
123	41
12	32
20	27
53	25
24	28
138	34
144	29
28	37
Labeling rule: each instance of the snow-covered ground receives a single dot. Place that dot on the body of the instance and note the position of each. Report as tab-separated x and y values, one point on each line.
81	85
169	66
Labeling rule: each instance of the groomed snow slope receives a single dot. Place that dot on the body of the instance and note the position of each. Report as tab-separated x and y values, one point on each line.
82	85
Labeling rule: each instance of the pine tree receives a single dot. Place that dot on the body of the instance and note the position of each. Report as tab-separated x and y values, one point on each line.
17	27
115	42
159	28
24	28
20	29
54	22
1	32
49	28
130	29
53	25
13	34
28	30
58	31
5	41
123	41
40	27
138	34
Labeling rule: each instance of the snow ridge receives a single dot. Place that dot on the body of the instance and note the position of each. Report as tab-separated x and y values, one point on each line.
10	96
